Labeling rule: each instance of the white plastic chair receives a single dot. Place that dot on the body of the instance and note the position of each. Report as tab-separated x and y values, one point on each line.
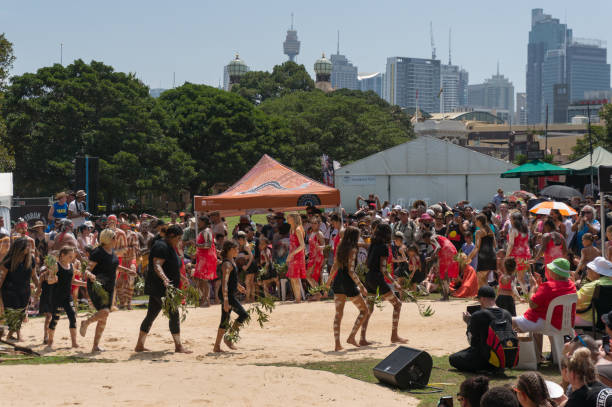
527	351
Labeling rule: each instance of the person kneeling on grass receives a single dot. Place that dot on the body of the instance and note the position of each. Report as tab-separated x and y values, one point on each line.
476	357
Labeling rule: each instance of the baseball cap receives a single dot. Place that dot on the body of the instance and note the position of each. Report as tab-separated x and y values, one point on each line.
485	292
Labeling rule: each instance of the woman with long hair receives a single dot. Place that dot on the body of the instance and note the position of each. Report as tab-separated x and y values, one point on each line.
531	391
553	244
15	276
227	294
346	284
206	264
377	261
296	260
102	267
62	294
316	245
518	247
164	270
484	249
581	374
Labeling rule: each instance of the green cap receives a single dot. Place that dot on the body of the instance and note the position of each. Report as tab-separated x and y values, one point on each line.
560	267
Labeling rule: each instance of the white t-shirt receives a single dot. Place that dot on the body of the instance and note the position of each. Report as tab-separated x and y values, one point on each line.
72	207
385	212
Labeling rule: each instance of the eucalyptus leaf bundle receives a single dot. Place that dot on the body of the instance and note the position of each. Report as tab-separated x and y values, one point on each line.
13	317
172	302
100	292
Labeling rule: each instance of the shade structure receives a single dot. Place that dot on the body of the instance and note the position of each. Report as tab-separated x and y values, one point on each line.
269	186
522	195
560	192
544	208
582	166
535	168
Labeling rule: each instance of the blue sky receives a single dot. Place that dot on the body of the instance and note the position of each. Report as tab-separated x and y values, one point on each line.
196	38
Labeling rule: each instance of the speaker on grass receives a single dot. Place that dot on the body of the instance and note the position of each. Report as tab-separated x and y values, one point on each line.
405	368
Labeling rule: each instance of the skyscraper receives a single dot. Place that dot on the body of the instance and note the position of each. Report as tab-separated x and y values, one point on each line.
495	94
454	82
521	108
291	46
344	74
587	67
406	78
372	81
546	33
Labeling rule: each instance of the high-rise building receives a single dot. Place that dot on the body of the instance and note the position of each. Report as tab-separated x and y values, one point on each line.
553	73
546	33
291	46
409	78
454	81
234	70
344	74
587	67
372	81
495	94
521	108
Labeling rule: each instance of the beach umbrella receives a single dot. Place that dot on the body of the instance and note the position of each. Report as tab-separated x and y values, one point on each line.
535	168
544	208
560	192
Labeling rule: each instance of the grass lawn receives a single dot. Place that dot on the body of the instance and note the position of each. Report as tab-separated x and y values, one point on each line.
442	376
9	359
232	221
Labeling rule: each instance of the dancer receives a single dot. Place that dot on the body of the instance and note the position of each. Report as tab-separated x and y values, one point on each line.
265	262
125	278
484	249
102	267
518	248
227	295
206	254
316	245
296	259
248	264
45	303
378	254
15	275
62	294
346	283
164	270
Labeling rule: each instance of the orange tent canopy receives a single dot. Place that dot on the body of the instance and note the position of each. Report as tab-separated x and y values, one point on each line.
269	186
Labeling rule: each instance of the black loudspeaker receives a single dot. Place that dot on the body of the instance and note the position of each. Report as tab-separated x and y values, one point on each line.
405	368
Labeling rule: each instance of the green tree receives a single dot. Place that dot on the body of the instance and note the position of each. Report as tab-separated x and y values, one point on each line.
60	112
601	135
220	131
6	59
346	125
258	86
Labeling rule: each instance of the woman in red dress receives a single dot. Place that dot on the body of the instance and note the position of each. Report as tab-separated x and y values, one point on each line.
206	260
316	244
296	260
518	248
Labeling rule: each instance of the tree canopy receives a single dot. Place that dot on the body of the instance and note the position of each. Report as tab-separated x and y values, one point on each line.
600	135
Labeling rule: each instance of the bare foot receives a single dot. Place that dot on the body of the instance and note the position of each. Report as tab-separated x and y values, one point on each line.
96	349
141	348
353	342
363	342
217	349
229	344
181	349
75	345
49	347
338	348
45	340
397	339
83	328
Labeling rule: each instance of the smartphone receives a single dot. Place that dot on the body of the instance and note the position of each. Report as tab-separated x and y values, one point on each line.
446	401
472	308
605	342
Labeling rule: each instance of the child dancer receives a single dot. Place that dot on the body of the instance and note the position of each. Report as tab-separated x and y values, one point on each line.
227	294
416	275
506	289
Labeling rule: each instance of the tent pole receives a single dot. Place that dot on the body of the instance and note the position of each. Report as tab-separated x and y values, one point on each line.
603	225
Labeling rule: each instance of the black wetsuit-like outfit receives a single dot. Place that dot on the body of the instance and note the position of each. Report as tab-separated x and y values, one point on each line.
61	297
232	290
375	280
344	284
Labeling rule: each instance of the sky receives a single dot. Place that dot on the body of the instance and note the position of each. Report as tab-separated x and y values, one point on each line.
194	39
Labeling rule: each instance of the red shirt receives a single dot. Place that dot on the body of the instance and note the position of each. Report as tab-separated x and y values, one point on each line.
547	292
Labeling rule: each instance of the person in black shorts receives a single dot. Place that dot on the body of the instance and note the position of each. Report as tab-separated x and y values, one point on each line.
346	284
62	294
227	294
164	270
378	254
102	267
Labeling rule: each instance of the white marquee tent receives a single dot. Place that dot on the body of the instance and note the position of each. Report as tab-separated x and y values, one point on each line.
6	196
425	168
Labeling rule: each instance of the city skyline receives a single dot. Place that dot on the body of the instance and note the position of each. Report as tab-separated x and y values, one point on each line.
194	43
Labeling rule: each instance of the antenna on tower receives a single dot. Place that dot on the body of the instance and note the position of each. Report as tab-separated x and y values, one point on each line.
498	67
338	46
291	21
173	79
433	46
449	47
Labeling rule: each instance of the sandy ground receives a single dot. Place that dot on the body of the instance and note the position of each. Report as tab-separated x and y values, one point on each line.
296	333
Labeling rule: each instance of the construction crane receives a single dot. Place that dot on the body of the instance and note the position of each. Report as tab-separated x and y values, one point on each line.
433	46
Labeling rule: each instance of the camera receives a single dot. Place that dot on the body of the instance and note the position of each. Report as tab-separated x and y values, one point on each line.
605	342
445	401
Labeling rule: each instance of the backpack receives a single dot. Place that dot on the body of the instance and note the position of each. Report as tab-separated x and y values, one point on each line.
502	343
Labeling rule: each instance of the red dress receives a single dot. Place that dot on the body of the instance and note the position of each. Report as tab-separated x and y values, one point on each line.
206	260
446	262
469	286
297	265
315	257
520	251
